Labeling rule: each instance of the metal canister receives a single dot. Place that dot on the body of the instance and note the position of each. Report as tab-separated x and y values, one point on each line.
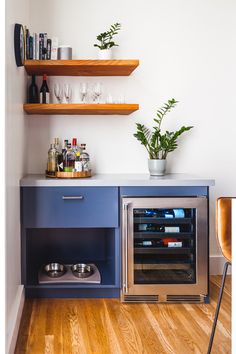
64	52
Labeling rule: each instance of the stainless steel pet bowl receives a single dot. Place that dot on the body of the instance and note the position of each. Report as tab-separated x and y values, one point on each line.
82	270
54	270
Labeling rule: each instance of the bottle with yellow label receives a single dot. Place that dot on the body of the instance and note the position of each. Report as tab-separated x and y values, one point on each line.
78	163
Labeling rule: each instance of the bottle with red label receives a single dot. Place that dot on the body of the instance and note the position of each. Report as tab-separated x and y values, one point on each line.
44	91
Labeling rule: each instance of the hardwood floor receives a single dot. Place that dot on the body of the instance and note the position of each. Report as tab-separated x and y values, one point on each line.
103	326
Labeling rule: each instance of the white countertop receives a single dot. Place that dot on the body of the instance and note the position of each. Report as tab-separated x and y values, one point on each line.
106	180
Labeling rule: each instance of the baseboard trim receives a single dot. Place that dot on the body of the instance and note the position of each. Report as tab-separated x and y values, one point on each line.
14	320
217	264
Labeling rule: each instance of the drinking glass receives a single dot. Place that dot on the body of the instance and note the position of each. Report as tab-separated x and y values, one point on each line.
109	99
58	92
67	92
83	91
97	92
120	99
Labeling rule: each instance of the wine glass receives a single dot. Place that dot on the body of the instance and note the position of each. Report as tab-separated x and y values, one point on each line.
83	91
58	92
97	92
67	92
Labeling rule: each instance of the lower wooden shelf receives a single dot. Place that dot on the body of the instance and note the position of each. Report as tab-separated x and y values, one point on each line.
80	109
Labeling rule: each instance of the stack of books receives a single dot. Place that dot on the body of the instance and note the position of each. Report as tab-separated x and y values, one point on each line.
39	47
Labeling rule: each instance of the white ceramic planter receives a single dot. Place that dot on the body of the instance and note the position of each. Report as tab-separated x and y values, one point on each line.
157	167
105	54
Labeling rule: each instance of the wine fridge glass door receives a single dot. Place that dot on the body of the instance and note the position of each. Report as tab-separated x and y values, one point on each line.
165	245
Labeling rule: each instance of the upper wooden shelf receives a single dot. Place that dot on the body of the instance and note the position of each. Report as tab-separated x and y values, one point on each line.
81	67
80	108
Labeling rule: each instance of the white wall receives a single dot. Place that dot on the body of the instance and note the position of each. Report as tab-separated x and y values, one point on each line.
16	12
186	51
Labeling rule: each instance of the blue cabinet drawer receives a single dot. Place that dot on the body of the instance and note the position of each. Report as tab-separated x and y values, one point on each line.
69	207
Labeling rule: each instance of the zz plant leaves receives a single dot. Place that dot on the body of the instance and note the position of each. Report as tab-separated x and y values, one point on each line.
157	143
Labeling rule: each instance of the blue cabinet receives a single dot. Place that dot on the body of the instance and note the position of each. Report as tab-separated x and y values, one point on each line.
46	207
70	225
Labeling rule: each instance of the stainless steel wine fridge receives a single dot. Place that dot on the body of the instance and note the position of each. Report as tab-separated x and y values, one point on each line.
164	249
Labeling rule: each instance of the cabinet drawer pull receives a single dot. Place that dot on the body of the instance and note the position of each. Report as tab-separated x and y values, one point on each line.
73	197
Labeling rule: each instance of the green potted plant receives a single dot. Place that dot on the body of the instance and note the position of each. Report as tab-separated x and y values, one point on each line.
157	143
107	42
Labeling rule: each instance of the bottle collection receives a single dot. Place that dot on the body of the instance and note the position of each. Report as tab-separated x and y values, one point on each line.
160	228
163	213
38	97
162	243
65	93
70	158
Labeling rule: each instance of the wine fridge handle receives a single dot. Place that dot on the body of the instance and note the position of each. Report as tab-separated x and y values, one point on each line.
73	197
125	223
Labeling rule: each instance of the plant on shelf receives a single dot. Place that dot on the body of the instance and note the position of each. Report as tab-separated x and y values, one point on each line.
107	42
157	143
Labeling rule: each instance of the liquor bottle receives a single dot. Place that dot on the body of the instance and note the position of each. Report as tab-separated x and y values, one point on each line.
52	159
84	158
44	91
59	154
56	142
65	146
74	145
33	92
78	163
69	159
64	150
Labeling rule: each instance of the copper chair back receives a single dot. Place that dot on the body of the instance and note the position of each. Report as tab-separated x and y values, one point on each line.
224	225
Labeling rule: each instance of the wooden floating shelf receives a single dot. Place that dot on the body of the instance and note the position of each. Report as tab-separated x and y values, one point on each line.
81	67
79	109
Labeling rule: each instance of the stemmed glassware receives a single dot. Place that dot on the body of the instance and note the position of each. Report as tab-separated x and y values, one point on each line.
67	92
58	91
83	91
97	92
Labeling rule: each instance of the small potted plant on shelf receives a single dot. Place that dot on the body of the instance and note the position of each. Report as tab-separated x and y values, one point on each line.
107	42
159	144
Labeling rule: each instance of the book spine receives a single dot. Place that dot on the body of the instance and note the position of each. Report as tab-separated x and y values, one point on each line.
36	46
41	43
34	51
54	48
49	48
45	46
27	44
31	45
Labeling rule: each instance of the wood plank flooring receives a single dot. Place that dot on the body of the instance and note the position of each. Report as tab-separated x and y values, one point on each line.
106	326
